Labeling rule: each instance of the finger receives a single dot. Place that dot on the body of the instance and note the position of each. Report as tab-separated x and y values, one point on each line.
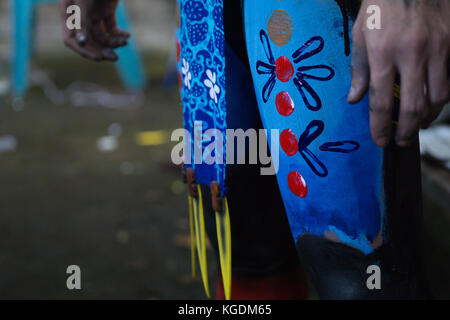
413	105
113	28
381	92
360	76
359	68
102	37
433	114
438	85
381	101
90	51
82	34
109	55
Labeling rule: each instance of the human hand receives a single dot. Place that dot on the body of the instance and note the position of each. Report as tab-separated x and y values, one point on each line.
414	42
99	33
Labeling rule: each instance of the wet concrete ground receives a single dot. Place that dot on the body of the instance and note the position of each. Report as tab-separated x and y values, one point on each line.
121	215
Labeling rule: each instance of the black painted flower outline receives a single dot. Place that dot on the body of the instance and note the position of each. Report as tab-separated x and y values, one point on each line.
301	75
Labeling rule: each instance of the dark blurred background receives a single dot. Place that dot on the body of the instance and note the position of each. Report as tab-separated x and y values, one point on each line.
86	177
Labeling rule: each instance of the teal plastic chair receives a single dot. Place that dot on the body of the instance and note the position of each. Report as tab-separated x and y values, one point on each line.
129	65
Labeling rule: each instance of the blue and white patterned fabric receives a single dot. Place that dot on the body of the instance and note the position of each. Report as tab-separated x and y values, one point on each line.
202	72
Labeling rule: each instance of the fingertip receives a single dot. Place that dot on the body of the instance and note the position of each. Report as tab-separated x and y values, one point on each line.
404	140
425	125
359	87
97	58
355	94
403	143
382	142
110	55
351	97
121	42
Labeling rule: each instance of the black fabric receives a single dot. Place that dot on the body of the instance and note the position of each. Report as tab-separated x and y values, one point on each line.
339	272
234	29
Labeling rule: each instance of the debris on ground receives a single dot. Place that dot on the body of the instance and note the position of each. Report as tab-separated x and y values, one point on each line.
8	143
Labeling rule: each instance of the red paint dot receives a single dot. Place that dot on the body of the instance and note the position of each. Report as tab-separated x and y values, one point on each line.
284	103
284	69
289	142
297	184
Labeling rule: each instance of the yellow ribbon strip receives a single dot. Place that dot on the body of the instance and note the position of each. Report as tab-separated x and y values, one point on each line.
224	240
191	225
199	223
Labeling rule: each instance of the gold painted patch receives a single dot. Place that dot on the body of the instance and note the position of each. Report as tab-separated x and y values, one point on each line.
280	27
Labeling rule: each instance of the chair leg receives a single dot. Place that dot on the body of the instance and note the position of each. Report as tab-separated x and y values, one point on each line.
21	16
129	65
